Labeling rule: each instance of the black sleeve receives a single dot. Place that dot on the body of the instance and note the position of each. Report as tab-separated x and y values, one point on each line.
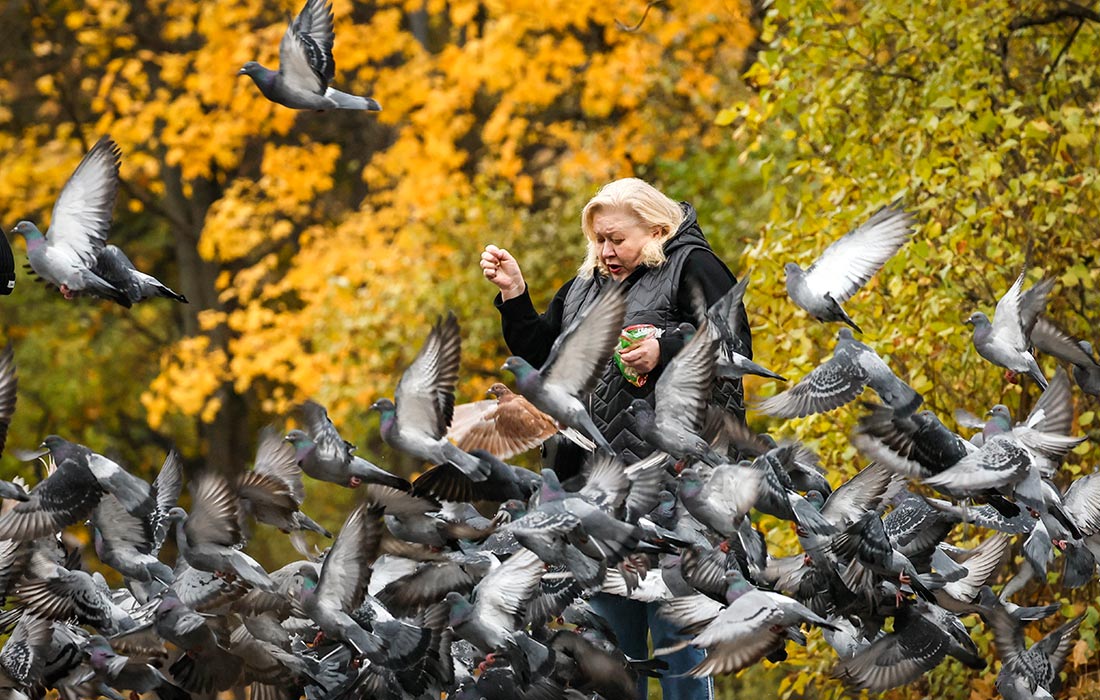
528	333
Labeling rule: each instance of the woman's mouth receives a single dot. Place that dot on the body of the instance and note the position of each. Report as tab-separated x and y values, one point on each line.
614	269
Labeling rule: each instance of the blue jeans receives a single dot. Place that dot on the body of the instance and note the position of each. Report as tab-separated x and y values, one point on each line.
633	622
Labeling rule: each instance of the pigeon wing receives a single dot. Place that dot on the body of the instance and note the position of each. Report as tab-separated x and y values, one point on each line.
832	384
852	260
502	596
82	213
425	395
501	428
346	571
214	516
300	57
863	492
1007	323
275	458
314	27
580	353
684	387
1052	340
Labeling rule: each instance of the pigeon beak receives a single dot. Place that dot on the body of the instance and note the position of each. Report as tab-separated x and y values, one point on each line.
241	72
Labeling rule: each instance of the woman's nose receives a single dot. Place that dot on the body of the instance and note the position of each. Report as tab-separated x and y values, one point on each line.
607	249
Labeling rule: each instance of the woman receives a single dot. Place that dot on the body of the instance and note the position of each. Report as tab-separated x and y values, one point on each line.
640	237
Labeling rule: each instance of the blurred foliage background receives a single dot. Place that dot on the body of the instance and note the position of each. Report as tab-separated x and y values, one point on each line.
316	249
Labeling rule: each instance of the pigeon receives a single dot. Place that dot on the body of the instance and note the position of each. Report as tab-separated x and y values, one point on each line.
847	264
505	482
112	265
498	602
66	254
680	397
272	491
924	634
416	420
306	66
726	318
1052	340
209	536
122	672
324	455
69	494
343	580
1005	340
577	359
23	657
1027	672
753	624
840	379
204	666
506	426
721	500
7	267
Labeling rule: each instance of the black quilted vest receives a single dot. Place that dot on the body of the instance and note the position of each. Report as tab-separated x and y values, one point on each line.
650	299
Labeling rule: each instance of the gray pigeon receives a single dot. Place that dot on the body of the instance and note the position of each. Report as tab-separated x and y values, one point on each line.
306	66
416	420
122	672
1049	338
112	265
840	379
1005	340
1027	672
673	423
577	359
326	456
24	656
209	537
69	494
737	635
499	603
343	581
847	264
924	635
204	666
78	229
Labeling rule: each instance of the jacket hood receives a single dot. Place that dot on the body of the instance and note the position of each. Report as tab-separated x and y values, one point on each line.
689	232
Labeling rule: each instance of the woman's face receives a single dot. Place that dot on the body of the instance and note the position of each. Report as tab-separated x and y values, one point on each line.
620	237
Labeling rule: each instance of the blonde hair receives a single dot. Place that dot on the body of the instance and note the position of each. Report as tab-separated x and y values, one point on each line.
652	208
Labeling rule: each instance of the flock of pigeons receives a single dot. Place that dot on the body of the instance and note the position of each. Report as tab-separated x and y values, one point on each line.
421	594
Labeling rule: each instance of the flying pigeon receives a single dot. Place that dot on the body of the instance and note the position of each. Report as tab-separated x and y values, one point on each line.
506	425
24	656
112	265
577	359
1049	338
81	219
847	264
754	624
1027	672
416	420
1005	340
727	320
924	634
840	379
69	494
673	423
209	536
306	66
326	456
344	576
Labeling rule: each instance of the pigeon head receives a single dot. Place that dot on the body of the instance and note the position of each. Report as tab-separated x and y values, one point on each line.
792	269
691	484
301	442
551	487
257	72
519	367
978	320
31	233
54	442
461	609
845	334
384	406
498	390
1000	420
736	585
814	498
513	509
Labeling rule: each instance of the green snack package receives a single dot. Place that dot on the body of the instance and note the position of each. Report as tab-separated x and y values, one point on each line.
629	336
